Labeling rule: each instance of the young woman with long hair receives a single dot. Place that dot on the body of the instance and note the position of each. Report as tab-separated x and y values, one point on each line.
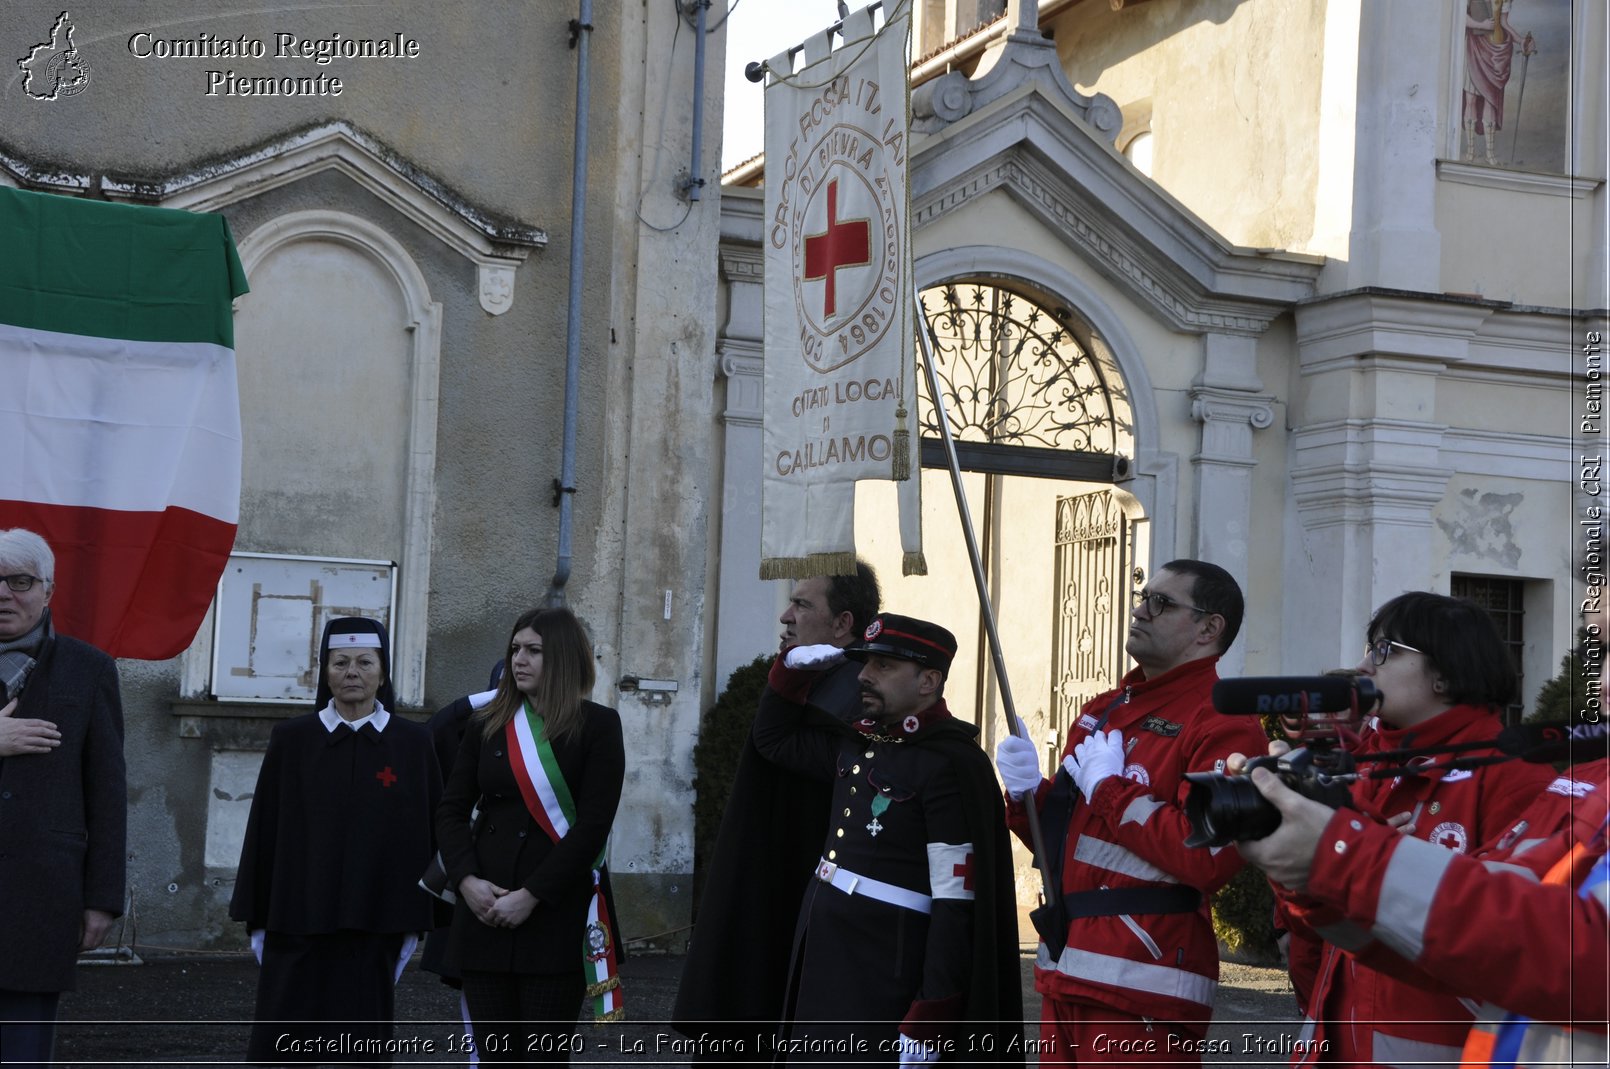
540	769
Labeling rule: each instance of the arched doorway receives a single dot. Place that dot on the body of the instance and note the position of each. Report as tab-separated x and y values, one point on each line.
1043	428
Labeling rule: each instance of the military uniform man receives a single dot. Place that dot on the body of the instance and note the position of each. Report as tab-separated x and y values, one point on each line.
906	947
736	972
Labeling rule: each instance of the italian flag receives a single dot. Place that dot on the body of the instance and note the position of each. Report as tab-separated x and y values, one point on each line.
119	417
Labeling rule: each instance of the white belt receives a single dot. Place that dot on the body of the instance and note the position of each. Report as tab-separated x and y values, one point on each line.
852	884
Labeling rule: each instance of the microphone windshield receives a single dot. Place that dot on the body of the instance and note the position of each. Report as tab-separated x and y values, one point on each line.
1287	695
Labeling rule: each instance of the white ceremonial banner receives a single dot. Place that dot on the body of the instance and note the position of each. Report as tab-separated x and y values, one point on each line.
841	387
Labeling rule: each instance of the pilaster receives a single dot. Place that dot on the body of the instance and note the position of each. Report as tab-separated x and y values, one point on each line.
1223	473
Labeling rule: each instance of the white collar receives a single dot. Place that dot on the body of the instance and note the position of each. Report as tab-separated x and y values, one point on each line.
332	719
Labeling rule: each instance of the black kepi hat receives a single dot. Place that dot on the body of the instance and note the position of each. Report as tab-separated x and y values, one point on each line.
355	632
907	638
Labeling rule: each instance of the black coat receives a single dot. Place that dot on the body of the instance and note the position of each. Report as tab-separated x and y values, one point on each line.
446	727
63	818
736	971
510	849
339	830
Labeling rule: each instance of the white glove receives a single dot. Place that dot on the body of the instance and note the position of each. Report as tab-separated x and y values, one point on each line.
257	945
410	944
916	1052
1093	760
1019	762
821	656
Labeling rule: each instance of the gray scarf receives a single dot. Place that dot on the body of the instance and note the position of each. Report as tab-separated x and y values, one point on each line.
19	655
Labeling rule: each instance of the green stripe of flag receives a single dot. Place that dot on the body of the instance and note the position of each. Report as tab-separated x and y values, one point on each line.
116	270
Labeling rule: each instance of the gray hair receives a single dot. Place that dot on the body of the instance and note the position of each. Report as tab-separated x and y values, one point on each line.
21	548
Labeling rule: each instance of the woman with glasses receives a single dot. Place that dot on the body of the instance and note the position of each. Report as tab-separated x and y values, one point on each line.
1445	677
543	765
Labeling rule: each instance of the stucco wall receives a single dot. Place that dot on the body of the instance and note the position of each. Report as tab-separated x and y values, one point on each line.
483	121
1234	97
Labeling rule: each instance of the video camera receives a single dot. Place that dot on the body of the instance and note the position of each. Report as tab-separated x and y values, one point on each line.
1322	714
1319	714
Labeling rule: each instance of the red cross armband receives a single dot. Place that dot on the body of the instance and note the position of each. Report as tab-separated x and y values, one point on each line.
950	870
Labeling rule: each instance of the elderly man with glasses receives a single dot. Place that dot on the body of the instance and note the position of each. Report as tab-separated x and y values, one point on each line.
63	802
1130	964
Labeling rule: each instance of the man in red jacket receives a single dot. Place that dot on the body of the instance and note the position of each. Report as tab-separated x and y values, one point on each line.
1135	976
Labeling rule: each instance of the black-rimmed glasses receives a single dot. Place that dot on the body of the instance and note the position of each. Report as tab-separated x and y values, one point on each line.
1158	604
1381	649
21	582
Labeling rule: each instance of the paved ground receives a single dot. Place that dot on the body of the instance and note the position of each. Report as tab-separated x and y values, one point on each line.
194	1010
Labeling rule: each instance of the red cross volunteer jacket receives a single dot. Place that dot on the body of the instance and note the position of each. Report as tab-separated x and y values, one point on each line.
1129	838
1359	1013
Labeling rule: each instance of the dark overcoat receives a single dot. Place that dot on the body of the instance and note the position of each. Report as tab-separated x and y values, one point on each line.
63	818
510	849
736	971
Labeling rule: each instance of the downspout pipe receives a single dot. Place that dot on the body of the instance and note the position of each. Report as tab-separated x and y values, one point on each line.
564	487
695	178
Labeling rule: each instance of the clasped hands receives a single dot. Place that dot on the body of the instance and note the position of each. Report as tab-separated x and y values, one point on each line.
494	906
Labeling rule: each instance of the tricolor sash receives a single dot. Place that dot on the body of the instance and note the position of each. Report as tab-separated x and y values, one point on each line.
547	796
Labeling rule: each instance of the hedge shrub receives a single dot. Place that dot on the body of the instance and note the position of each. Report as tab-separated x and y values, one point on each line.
722	734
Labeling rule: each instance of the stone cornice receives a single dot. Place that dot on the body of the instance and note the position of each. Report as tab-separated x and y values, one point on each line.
744	263
1486	177
496	244
1388	325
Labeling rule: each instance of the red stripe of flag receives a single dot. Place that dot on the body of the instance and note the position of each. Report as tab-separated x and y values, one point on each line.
126	581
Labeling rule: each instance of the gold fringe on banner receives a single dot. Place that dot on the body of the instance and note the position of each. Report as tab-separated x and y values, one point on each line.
808	566
914	564
611	1017
594	990
902	446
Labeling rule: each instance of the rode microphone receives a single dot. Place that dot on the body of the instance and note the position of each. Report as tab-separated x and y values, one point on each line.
1288	695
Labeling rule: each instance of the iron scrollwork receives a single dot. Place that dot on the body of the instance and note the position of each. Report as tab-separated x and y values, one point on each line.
1012	373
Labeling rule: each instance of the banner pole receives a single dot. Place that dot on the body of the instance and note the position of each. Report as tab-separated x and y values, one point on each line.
1048	879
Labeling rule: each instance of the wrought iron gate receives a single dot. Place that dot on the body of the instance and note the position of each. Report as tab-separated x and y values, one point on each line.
1097	568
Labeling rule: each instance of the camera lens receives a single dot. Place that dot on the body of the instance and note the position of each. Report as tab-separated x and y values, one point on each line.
1226	809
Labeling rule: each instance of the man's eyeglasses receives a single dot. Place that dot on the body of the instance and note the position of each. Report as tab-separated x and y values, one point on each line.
20	582
1381	649
1158	604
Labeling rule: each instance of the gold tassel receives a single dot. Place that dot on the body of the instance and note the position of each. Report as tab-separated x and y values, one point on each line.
902	447
914	564
611	1016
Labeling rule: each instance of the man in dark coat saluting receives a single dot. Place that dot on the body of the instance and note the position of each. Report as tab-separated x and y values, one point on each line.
737	964
906	947
63	800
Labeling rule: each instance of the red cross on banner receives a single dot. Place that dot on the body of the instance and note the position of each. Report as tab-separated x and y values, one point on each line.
386	776
840	385
965	871
845	243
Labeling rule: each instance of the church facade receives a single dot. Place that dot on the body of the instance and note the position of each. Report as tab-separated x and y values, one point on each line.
1246	282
